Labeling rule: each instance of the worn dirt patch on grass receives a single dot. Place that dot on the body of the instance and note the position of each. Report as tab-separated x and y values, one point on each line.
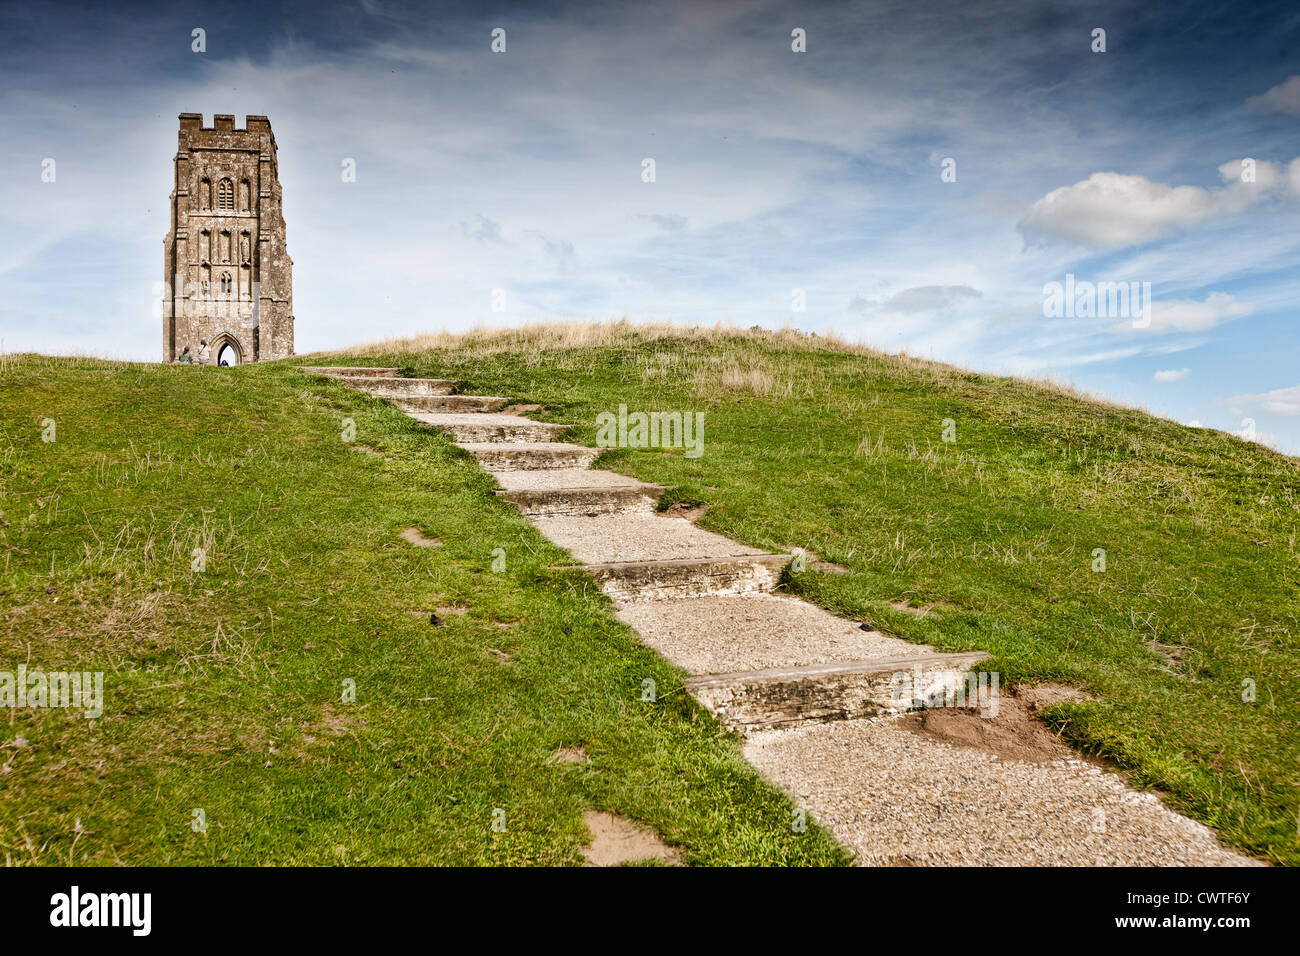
335	722
417	537
1043	696
616	840
1173	653
909	608
683	509
1013	734
569	755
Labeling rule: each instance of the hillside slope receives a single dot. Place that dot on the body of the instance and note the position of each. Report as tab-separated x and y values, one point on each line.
222	685
287	680
1187	638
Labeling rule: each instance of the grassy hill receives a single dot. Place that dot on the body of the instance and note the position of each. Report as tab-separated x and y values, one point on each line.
223	685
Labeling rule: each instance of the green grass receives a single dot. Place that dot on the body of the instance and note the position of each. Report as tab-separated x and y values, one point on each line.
810	443
224	687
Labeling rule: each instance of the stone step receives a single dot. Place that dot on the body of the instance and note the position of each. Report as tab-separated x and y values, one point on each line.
637	537
447	403
520	456
482	428
721	634
553	502
690	577
347	371
381	387
785	696
564	478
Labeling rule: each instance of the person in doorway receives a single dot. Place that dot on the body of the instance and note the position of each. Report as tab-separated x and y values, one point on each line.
186	357
203	352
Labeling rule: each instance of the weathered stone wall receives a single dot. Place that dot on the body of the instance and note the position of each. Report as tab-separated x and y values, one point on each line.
226	271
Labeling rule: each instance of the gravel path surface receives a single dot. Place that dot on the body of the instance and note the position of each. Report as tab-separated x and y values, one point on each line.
636	537
714	635
896	798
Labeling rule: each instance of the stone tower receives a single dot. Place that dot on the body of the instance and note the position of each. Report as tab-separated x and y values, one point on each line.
227	276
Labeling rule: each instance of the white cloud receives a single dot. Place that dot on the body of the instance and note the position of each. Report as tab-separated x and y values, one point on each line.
1115	210
668	222
1248	432
1170	375
1188	315
919	299
1268	179
1280	401
1283	98
485	230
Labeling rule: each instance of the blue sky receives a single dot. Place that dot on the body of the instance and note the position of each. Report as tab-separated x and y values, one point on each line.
775	171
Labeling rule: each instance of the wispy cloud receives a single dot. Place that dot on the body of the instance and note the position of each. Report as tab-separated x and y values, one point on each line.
1279	401
1188	315
919	300
1283	98
482	229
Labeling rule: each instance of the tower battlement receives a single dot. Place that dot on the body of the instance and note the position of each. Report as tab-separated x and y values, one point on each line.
227	275
254	125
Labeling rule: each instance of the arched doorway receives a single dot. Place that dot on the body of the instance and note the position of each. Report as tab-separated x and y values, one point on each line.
226	350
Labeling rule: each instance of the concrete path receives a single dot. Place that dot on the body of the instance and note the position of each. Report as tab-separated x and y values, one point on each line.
822	701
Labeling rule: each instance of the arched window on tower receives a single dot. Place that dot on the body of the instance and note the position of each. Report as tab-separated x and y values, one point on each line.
227	284
225	194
